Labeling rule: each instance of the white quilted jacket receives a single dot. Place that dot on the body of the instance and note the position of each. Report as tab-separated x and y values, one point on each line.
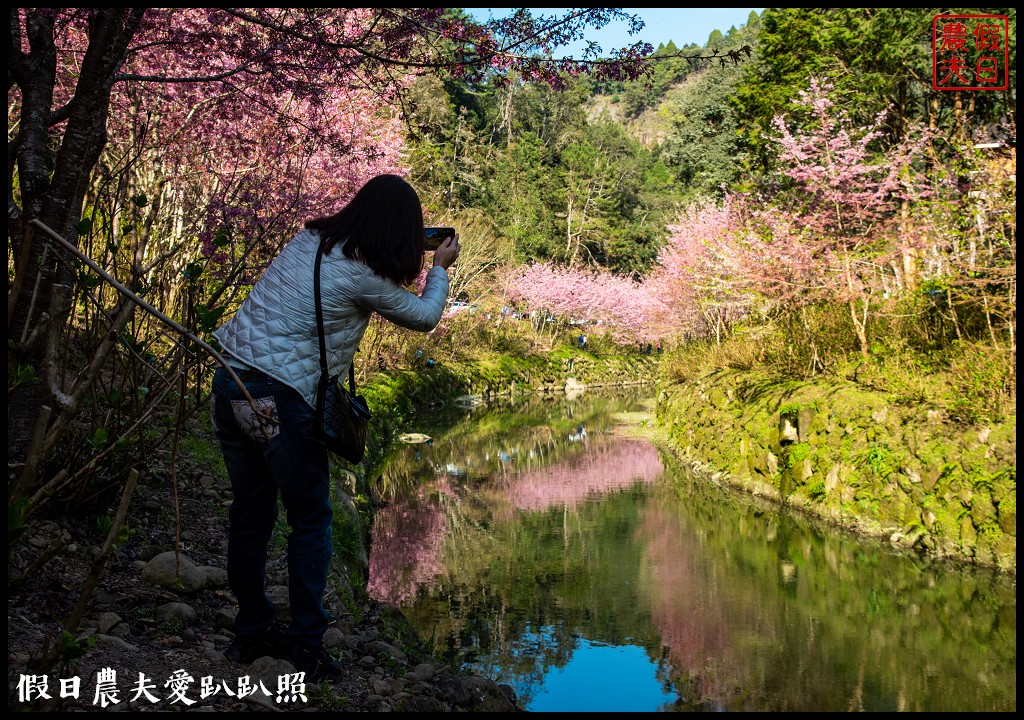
275	328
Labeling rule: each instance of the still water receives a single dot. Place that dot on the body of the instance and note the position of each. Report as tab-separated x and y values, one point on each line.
541	547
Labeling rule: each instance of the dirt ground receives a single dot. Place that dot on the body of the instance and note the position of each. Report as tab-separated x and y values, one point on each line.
139	658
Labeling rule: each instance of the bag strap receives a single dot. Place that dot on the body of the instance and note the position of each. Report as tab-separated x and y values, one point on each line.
320	324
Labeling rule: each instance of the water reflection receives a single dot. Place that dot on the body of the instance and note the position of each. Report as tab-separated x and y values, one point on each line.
594	679
407	539
604	466
793	618
587	567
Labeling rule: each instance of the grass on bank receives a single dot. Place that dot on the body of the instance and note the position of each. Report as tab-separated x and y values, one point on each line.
971	379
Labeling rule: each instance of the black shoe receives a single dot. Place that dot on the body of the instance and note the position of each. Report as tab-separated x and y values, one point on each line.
317	663
246	649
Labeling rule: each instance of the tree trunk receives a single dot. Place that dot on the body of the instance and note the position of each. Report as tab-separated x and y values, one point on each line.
859	329
859	323
53	197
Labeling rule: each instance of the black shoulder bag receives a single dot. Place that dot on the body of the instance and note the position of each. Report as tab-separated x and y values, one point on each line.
342	417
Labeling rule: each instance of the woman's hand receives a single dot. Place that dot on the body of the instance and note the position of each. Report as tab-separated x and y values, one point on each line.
447	253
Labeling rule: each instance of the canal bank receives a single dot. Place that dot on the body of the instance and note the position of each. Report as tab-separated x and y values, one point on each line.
910	475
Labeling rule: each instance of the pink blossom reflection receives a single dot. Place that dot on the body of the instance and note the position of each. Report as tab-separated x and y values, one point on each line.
707	623
406	547
604	468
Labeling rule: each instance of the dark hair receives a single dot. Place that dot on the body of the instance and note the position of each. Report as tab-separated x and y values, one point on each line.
381	226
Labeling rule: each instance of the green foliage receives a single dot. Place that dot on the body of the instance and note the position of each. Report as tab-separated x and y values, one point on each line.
98	439
19	375
208	319
983	383
326	697
16	519
880	58
348	536
193	271
174	625
881	460
202	449
557	185
137	348
910	361
697	358
87	279
69	648
798	452
816	490
702	147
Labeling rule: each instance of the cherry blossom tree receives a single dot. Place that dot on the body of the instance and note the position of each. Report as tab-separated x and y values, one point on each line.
174	124
845	198
824	229
628	309
700	273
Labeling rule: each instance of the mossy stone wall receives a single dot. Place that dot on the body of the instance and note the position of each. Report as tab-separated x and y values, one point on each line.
849	455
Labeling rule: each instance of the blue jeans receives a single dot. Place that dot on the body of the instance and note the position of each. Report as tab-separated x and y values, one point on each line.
266	461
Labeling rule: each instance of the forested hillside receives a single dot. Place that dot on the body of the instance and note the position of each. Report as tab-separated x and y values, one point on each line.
803	181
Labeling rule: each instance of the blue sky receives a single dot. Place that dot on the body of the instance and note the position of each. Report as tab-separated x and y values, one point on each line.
680	25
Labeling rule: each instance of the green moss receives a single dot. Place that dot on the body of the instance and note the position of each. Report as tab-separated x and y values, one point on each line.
789	408
981	482
816	490
866	503
951	461
1008	503
882	461
990	532
797	453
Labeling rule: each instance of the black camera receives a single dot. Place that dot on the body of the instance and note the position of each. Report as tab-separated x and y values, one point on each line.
437	235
